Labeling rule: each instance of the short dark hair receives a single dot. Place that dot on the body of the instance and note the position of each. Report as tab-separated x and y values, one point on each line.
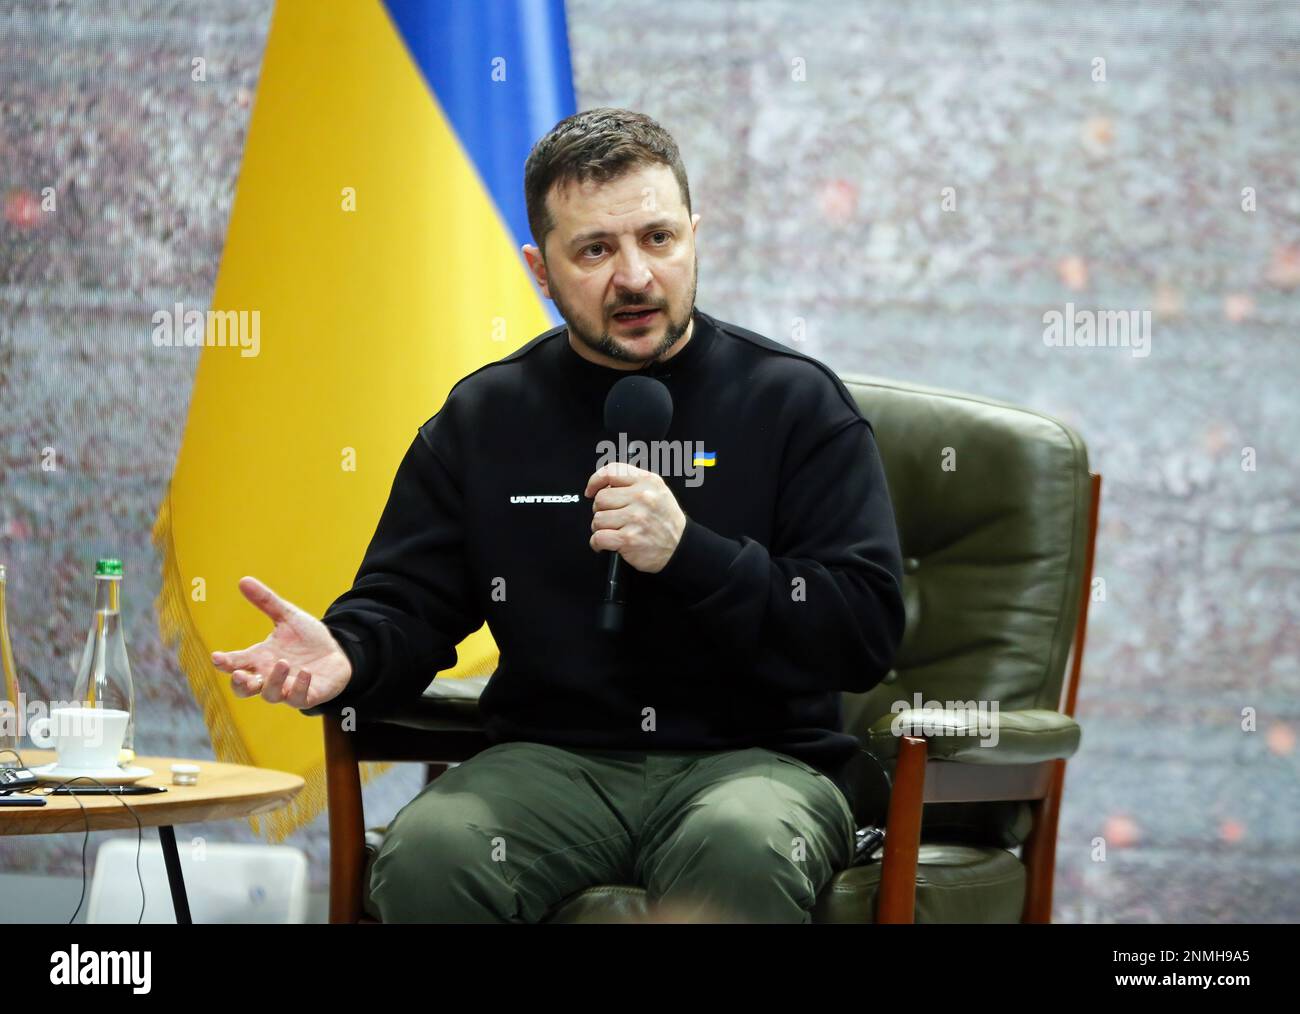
600	144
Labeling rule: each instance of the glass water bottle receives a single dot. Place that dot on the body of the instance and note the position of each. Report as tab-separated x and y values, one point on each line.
10	701
104	676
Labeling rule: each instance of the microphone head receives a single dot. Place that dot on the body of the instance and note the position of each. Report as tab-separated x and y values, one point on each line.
641	407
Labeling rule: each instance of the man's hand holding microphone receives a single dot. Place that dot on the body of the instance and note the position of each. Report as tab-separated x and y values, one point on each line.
300	663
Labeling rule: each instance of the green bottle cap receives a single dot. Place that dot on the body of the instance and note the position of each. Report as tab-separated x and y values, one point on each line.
108	568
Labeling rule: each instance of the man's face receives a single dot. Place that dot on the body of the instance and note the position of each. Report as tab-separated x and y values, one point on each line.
616	245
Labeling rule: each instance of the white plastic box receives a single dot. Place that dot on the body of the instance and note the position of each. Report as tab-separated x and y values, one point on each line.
225	883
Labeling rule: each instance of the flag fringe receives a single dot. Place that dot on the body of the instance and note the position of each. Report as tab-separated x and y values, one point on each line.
178	631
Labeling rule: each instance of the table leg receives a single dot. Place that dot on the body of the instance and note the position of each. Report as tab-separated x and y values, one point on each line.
181	904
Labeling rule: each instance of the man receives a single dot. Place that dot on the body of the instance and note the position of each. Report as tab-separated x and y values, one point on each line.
694	752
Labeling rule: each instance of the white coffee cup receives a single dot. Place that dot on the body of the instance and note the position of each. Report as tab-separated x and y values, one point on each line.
85	737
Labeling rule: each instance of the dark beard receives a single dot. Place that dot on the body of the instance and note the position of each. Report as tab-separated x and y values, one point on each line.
605	343
609	347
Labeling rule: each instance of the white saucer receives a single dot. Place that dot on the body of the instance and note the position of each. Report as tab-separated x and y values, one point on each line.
109	776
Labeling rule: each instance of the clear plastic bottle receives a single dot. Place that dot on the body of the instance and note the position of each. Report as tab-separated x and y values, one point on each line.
11	701
104	676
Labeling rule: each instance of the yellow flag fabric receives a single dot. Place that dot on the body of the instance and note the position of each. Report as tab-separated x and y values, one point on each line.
376	267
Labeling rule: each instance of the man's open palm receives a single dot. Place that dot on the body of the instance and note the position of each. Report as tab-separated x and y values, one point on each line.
300	663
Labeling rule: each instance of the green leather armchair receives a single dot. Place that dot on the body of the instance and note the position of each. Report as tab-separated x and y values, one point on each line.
964	743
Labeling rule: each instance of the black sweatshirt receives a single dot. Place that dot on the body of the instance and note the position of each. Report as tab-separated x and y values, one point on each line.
784	590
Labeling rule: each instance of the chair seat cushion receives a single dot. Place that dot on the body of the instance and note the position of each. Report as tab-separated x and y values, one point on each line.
954	883
604	903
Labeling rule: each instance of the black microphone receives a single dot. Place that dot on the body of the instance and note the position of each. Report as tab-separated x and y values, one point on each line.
642	408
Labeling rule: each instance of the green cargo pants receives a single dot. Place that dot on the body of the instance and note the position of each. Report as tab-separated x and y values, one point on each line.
738	836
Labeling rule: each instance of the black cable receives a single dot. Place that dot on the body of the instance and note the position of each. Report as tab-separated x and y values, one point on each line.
139	840
85	840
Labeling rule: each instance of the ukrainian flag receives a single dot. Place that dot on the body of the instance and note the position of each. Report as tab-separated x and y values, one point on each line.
706	459
376	229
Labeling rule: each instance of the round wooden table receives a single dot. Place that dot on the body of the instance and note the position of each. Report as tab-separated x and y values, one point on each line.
223	791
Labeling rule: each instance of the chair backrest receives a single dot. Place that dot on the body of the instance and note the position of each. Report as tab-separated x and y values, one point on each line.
992	505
